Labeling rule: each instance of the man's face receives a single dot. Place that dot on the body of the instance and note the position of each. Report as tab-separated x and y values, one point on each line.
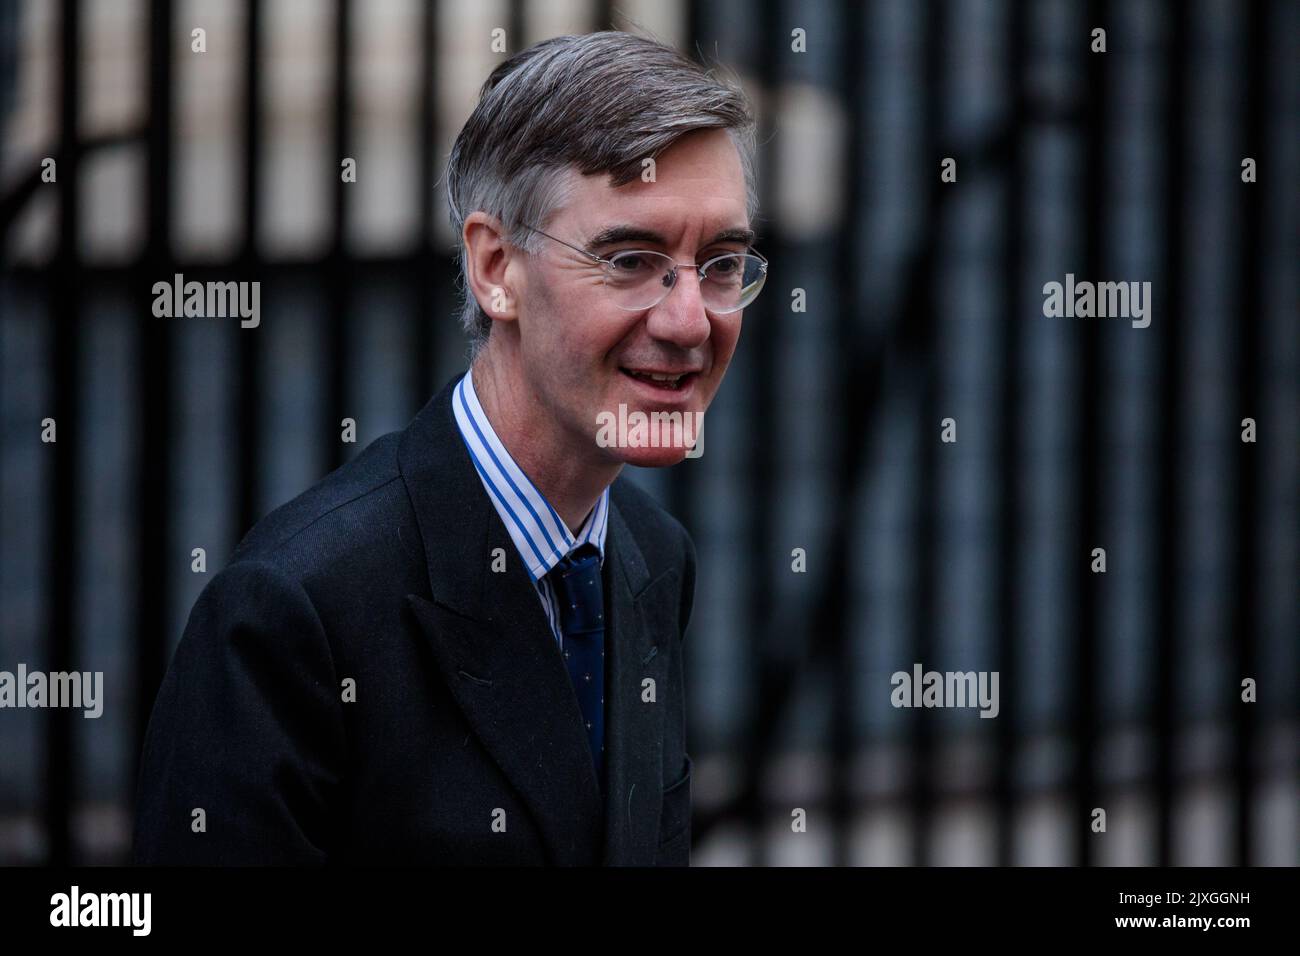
583	355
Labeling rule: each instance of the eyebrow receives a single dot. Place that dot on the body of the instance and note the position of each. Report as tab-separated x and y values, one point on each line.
615	234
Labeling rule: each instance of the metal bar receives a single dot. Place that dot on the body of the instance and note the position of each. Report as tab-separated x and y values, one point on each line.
695	28
1169	389
22	189
683	479
927	570
1243	569
1010	493
1087	587
247	378
154	487
64	359
843	684
761	472
424	311
341	277
383	266
517	23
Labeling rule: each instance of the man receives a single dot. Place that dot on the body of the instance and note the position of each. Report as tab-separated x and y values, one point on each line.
465	645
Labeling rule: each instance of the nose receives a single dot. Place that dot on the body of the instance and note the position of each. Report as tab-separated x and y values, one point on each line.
680	318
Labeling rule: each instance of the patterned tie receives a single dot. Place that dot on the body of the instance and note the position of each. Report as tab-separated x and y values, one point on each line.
577	584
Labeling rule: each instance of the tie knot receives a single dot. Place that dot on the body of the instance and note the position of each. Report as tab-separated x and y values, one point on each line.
577	586
581	556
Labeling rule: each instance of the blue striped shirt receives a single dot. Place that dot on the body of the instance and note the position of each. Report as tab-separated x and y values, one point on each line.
540	535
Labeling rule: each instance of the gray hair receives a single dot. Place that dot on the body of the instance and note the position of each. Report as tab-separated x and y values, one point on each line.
599	103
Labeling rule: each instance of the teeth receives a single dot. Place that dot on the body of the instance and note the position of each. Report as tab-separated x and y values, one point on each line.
665	379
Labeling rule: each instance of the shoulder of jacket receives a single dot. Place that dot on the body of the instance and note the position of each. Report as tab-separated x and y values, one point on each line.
300	523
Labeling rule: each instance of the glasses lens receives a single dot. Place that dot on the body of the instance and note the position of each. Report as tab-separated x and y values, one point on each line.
641	280
732	282
638	280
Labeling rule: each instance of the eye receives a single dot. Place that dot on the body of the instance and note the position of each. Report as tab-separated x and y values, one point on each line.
725	268
630	264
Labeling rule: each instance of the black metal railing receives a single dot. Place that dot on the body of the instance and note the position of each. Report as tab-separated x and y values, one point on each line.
903	338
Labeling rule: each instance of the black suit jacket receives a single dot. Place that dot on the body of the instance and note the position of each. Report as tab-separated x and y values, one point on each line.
464	715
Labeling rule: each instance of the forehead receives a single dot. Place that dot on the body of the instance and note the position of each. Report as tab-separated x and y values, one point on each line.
698	183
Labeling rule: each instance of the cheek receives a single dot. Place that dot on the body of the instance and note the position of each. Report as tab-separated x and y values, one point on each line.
577	325
601	335
583	344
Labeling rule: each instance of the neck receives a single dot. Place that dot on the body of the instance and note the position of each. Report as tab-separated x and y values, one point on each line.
559	463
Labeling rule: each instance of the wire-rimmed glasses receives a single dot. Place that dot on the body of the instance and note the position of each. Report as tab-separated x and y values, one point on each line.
639	279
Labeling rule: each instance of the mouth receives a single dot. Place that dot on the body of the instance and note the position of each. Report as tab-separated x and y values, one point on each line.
664	381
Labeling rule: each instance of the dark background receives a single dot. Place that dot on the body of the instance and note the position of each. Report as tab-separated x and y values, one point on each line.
1118	690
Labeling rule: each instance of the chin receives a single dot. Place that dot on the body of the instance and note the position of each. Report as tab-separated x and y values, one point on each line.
660	457
648	434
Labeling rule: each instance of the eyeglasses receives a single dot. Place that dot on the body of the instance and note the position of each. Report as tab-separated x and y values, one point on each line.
638	279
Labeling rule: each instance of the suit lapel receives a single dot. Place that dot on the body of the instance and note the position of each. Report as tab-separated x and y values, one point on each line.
494	650
491	643
513	694
633	725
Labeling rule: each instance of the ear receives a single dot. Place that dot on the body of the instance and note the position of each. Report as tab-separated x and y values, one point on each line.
488	263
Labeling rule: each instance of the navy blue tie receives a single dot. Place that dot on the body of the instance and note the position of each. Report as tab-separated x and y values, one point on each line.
577	584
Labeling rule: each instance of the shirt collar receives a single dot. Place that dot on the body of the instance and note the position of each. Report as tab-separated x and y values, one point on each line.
539	534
